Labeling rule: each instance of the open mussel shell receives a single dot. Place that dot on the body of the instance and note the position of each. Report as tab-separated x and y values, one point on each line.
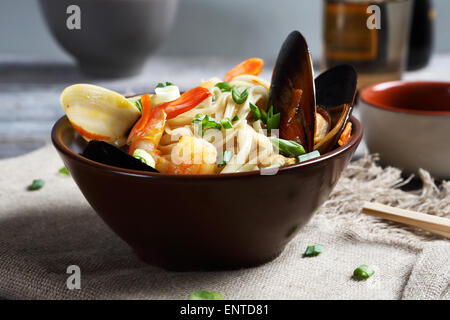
100	151
292	91
335	96
336	86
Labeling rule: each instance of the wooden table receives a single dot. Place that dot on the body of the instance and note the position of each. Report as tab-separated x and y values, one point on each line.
30	90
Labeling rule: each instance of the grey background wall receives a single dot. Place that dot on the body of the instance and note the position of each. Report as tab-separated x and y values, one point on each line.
204	27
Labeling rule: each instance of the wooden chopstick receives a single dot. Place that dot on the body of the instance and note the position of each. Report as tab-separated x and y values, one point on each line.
438	225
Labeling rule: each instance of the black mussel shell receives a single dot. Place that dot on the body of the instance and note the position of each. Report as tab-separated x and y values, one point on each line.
335	94
336	86
292	78
105	153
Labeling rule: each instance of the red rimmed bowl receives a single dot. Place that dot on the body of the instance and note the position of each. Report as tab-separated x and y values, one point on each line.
204	222
408	124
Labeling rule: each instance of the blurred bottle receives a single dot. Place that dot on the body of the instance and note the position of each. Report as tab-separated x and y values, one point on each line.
421	39
378	54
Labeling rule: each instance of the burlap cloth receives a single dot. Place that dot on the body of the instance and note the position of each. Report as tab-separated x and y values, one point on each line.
45	231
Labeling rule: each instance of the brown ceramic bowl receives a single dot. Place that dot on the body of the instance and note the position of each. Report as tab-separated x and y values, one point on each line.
204	222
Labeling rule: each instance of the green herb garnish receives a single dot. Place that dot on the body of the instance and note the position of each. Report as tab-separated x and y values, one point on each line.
36	185
288	147
308	156
226	157
239	97
145	157
205	295
235	118
273	120
268	118
205	122
223	86
226	123
162	85
64	170
137	103
256	112
312	251
363	272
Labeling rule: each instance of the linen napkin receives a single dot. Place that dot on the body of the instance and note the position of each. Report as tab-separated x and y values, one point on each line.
44	232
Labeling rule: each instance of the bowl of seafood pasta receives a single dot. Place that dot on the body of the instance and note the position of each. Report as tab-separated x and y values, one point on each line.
221	176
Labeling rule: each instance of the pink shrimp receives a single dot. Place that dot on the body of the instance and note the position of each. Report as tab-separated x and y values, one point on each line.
148	130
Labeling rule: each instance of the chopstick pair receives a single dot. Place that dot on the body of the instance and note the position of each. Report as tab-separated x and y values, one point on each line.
434	224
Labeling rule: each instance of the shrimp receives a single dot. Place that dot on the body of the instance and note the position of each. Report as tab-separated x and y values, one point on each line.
191	155
252	66
148	130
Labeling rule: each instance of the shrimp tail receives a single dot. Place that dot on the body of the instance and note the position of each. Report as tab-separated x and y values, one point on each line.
148	130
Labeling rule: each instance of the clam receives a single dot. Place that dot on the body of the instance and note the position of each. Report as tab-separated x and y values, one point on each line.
98	113
313	112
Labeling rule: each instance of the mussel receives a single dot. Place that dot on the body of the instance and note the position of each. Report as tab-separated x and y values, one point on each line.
313	112
335	96
292	91
106	153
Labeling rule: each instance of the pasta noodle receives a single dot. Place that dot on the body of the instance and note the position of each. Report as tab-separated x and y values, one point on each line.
247	140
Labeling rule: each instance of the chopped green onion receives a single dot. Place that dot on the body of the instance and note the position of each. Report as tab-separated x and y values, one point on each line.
205	122
36	185
64	170
226	123
205	295
223	86
263	116
308	156
145	157
363	272
214	98
137	103
288	147
256	112
312	251
273	120
235	118
162	85
226	157
198	118
239	97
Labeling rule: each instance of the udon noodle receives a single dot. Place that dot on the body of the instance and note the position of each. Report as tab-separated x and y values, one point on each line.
248	141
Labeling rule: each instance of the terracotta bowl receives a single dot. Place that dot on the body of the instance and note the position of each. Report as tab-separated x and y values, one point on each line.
204	222
408	124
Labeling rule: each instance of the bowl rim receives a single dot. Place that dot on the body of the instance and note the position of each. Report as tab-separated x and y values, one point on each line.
363	95
61	147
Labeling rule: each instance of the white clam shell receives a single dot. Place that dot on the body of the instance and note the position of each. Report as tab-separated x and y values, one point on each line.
99	113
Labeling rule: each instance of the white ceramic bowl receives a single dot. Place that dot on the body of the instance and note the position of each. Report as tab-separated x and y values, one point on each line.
408	124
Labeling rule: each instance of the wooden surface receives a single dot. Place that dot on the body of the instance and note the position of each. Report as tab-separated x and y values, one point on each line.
29	91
